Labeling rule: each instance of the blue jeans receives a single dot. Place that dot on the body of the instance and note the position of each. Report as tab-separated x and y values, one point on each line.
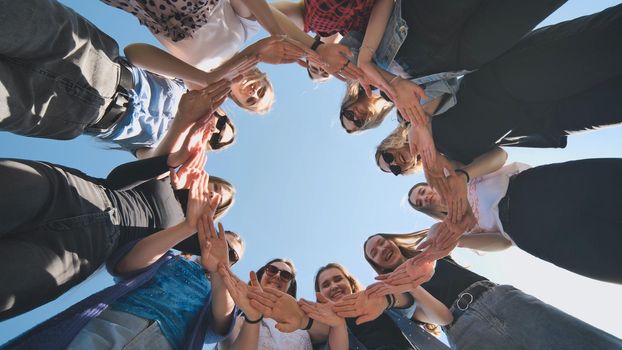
57	70
58	227
506	318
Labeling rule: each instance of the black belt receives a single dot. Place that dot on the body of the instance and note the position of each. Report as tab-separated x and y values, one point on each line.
120	100
468	297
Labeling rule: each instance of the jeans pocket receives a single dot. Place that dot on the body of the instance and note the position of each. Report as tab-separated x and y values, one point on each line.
92	237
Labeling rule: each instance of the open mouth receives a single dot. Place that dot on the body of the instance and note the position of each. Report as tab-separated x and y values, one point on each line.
337	294
388	255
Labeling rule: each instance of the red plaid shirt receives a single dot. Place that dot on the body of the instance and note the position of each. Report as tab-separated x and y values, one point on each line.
327	17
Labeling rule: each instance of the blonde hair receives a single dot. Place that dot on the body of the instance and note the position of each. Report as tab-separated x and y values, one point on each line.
264	104
375	115
396	140
224	205
355	285
431	212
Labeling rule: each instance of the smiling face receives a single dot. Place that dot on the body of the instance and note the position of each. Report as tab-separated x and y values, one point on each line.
276	281
383	252
333	284
317	73
397	161
254	92
425	196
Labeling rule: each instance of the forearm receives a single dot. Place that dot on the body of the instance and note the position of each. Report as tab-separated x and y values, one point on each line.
247	337
262	12
376	26
487	163
132	174
149	249
318	332
484	241
293	11
338	337
161	62
430	309
291	29
222	304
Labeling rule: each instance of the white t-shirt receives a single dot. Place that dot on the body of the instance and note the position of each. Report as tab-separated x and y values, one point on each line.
484	194
216	41
271	338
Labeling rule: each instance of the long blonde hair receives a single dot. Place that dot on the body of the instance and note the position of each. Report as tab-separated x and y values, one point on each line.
375	115
226	204
397	139
264	104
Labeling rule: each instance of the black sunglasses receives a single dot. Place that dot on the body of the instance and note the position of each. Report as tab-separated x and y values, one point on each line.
233	255
349	115
389	158
285	276
216	138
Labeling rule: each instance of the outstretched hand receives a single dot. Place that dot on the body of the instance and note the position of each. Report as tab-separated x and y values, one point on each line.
218	252
198	105
280	49
360	305
322	311
279	306
239	290
334	60
409	275
407	101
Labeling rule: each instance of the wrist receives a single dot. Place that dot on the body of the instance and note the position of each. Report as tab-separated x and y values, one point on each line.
251	318
395	80
305	321
463	172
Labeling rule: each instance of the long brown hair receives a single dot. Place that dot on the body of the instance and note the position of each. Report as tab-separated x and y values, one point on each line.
406	242
435	214
293	287
354	283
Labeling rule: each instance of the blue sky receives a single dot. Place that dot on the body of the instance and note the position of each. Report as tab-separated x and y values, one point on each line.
308	191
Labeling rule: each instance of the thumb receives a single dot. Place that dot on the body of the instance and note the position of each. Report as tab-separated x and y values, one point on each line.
322	299
362	319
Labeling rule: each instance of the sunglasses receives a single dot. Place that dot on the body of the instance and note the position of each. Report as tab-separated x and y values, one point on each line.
349	115
215	140
233	255
389	158
285	276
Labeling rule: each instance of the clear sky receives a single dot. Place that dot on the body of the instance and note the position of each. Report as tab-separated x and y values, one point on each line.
308	191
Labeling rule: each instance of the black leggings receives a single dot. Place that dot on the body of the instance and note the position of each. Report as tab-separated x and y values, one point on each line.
569	214
449	35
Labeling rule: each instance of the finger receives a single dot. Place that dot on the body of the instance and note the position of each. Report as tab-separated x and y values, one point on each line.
365	318
261	297
321	298
348	314
254	280
221	231
302	63
265	310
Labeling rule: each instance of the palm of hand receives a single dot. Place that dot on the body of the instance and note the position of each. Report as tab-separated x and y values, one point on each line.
217	254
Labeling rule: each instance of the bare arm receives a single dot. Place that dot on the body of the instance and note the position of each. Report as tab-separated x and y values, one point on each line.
293	11
430	309
161	62
222	304
484	241
152	247
259	10
376	26
487	163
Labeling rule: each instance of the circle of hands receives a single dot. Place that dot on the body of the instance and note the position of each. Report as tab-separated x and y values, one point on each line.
187	171
291	314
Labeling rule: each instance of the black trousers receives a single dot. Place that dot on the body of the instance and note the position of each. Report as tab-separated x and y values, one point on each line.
569	214
58	227
449	35
558	80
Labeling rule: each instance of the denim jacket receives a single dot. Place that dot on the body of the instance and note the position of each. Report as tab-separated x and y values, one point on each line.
395	33
418	338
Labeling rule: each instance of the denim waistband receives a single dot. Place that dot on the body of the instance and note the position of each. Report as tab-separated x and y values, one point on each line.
468	296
